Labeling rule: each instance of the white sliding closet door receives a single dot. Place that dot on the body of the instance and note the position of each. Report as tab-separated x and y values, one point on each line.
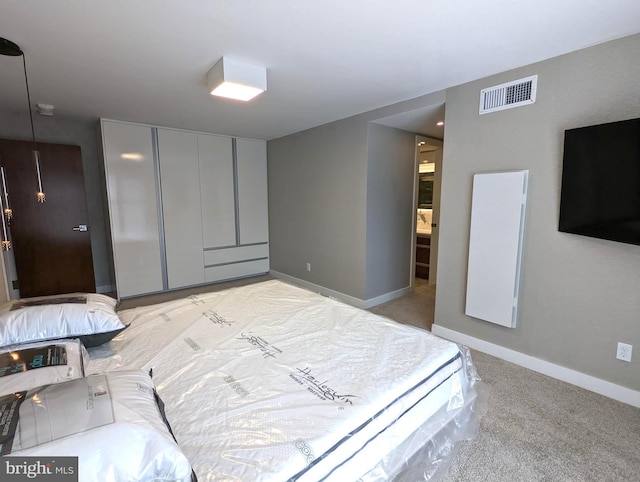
217	192
253	212
180	181
131	185
186	208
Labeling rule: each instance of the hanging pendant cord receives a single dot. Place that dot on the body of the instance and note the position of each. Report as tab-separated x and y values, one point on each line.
26	81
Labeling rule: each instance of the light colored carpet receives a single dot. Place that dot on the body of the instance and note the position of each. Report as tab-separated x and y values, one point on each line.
414	309
536	428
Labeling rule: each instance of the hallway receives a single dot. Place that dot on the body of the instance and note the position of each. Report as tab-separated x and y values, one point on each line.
415	309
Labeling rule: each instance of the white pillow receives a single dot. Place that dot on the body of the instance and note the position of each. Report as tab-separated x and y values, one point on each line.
59	299
110	421
90	317
24	367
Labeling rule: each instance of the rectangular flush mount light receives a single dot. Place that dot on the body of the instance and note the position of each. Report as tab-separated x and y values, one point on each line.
236	80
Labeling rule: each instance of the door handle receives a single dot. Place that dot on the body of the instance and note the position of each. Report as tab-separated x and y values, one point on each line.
81	227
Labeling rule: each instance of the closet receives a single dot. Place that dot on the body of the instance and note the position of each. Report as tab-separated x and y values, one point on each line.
186	208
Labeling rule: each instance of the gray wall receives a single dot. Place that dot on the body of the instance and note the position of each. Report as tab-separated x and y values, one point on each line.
391	172
317	201
61	130
319	204
579	296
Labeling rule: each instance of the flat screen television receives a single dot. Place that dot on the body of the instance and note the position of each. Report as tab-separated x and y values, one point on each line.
600	194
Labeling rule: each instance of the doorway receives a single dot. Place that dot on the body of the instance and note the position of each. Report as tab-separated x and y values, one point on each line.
50	241
427	208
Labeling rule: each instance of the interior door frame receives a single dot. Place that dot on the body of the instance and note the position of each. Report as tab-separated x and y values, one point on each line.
435	219
416	181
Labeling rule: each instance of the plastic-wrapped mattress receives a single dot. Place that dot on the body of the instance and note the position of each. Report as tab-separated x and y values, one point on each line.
271	382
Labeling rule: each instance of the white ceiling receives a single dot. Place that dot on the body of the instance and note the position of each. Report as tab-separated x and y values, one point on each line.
147	60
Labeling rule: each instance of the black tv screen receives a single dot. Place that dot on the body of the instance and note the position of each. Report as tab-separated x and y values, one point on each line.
600	194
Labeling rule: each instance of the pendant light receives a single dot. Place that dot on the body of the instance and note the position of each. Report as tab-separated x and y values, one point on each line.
9	48
6	209
7	213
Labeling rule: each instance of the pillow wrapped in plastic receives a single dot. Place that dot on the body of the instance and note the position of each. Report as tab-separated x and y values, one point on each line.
110	421
91	317
24	367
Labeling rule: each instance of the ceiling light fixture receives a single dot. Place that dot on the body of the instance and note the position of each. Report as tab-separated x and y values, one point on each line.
440	123
236	80
7	47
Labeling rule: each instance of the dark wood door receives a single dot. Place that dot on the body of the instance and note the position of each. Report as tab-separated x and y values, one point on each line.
51	257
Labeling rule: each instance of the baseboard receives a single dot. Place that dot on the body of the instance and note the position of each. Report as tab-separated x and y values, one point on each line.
378	300
318	289
351	300
588	382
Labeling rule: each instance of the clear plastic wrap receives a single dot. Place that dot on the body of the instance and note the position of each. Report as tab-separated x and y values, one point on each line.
111	422
271	382
427	454
30	365
149	330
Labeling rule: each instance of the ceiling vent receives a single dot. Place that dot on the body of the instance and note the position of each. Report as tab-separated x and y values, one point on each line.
508	95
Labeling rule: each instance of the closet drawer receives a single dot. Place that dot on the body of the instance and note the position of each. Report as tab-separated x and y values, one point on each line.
235	254
236	270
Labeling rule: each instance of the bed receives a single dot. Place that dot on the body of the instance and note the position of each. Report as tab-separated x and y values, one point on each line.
271	382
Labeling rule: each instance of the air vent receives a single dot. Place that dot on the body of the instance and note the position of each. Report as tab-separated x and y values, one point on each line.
508	95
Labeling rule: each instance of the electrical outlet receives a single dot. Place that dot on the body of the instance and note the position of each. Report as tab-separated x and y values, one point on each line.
308	266
624	352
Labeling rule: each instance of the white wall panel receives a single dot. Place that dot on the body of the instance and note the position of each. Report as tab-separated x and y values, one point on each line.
131	187
495	244
180	181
